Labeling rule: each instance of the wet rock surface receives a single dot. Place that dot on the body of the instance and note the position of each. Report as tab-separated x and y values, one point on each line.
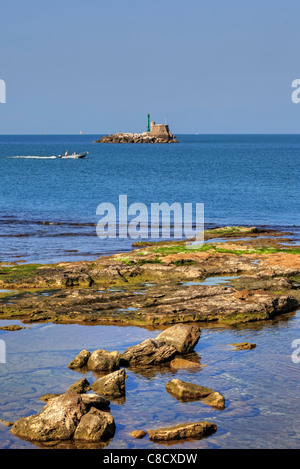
94	400
183	337
102	360
168	278
80	360
189	392
81	386
111	385
95	425
148	352
215	399
182	431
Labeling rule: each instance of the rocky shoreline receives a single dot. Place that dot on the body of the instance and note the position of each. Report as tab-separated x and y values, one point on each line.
159	284
156	286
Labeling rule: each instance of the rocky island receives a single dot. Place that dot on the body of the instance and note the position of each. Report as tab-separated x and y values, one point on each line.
157	133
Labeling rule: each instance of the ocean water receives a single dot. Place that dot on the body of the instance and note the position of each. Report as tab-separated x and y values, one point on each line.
48	205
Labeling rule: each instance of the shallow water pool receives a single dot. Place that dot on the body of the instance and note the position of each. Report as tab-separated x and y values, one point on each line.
261	386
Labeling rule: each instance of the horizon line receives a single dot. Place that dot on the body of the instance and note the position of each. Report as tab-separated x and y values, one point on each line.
178	133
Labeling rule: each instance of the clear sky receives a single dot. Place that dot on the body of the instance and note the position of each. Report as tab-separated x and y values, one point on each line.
99	66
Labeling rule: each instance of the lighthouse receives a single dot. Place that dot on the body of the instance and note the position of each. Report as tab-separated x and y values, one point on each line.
148	130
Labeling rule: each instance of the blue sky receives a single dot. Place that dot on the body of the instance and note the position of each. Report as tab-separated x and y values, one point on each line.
100	66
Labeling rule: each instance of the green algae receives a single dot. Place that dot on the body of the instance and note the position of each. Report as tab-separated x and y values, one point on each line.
128	261
166	250
24	270
231	230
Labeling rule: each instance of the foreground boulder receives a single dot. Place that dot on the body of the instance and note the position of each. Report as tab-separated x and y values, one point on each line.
112	385
57	421
148	352
96	425
183	337
61	418
80	386
94	400
102	360
184	430
80	360
189	392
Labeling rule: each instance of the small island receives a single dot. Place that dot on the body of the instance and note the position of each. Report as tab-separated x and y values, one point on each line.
156	133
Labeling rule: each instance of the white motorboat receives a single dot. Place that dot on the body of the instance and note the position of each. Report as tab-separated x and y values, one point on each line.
75	155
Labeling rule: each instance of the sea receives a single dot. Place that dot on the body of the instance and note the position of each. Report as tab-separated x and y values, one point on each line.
48	205
48	213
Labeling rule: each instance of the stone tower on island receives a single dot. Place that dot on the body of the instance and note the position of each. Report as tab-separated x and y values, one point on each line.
160	130
156	133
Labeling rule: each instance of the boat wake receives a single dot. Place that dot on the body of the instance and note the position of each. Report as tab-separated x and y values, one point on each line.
33	157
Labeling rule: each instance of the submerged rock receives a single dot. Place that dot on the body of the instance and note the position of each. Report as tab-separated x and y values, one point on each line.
183	337
6	423
184	430
12	327
148	352
244	346
187	391
102	360
139	434
182	363
112	385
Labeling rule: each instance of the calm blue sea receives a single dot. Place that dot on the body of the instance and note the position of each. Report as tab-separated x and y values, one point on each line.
48	205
